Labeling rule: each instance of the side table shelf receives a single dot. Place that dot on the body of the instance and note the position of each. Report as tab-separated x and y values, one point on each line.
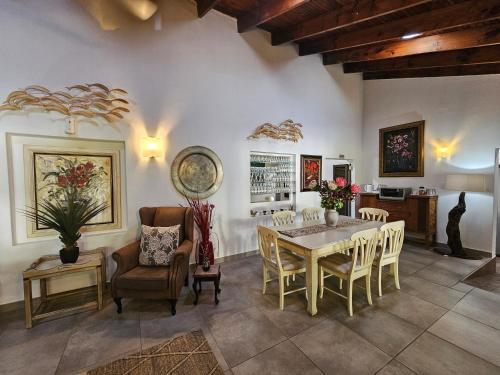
69	302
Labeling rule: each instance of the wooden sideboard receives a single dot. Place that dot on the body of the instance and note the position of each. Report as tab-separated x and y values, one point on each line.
418	212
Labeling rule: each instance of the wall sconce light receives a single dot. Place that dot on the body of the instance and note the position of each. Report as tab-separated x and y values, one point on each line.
151	147
443	152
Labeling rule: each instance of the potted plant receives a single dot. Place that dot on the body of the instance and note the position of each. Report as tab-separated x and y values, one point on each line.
333	195
69	204
203	215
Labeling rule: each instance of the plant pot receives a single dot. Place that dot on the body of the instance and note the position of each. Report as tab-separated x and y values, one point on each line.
331	217
69	255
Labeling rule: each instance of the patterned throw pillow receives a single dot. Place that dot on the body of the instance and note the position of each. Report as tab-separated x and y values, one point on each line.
158	244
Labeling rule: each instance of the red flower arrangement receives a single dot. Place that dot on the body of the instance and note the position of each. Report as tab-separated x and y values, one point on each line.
203	216
334	193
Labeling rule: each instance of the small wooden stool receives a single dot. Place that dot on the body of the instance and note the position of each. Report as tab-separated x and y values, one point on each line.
199	276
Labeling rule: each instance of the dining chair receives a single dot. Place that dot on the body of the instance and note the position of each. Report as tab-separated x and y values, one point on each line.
283	218
352	267
375	214
393	235
283	263
311	214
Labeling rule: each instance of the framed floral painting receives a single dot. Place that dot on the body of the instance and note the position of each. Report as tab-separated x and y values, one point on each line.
310	171
43	168
401	150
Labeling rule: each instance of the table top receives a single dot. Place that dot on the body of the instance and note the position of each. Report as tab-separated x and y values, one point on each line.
330	237
51	264
212	272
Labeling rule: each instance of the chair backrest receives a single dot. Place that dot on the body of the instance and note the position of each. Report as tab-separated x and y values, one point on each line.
310	214
394	234
374	214
170	216
365	247
283	218
268	245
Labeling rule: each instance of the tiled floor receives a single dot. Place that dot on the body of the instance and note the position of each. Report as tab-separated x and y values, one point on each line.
434	325
490	282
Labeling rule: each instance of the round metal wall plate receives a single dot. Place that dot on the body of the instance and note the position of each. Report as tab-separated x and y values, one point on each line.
197	172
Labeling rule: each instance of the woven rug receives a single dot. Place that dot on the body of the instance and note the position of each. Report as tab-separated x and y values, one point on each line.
189	354
313	229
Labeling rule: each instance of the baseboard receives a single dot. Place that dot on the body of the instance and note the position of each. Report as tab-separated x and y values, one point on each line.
488	268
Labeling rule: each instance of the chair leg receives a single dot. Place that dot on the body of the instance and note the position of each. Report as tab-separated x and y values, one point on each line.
186	280
118	302
321	281
264	278
349	297
172	302
369	288
379	280
340	284
288	281
396	274
293	277
282	292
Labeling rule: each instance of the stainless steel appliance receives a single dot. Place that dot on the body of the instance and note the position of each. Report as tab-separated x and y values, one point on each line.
397	194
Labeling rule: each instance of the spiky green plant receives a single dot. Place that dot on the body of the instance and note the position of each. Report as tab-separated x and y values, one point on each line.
67	219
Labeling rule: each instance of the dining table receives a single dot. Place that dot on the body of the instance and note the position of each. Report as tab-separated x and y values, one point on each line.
315	245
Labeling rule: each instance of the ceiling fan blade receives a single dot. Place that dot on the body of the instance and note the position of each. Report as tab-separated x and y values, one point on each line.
142	9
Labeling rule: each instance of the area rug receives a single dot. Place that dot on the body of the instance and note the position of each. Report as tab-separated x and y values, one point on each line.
182	355
318	228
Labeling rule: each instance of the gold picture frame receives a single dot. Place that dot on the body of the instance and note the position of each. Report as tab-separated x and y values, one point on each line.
401	150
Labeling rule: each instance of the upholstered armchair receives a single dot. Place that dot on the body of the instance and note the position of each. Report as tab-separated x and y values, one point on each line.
131	280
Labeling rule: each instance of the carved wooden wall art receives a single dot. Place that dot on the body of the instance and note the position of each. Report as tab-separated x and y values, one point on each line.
286	131
93	100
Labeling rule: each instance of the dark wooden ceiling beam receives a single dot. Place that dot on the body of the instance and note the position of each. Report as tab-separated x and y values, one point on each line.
204	6
266	11
438	20
470	56
347	15
470	38
464	70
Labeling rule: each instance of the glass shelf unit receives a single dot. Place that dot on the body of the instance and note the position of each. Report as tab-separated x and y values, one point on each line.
272	182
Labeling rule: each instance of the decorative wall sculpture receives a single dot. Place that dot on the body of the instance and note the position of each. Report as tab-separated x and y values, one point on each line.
288	130
93	100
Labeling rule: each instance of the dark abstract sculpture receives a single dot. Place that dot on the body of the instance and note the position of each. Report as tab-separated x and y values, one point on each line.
453	228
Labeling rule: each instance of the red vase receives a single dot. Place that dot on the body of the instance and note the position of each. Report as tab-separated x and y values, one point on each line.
206	251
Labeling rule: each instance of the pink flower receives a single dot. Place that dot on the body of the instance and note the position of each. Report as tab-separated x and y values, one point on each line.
355	189
341	182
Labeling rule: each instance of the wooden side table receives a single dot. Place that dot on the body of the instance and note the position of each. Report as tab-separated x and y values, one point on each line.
65	303
212	275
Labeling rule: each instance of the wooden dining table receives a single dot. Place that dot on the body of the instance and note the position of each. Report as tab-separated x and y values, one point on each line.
315	246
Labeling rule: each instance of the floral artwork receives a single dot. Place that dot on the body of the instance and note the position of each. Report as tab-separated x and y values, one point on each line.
401	150
57	176
310	172
335	193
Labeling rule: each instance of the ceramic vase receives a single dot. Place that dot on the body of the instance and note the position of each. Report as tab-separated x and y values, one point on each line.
331	217
69	255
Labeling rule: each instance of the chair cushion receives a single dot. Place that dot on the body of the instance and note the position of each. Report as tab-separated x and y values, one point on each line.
144	278
290	261
158	244
337	262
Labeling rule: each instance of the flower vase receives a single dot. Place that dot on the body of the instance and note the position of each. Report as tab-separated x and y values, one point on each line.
331	217
206	252
69	254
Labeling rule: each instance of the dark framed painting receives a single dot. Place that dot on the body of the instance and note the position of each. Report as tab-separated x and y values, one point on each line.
310	171
401	150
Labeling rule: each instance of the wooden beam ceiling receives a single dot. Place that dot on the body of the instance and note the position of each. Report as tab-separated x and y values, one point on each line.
442	71
451	37
267	11
439	20
204	6
347	15
471	56
477	37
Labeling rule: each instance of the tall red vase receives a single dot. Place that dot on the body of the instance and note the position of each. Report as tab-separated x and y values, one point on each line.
206	249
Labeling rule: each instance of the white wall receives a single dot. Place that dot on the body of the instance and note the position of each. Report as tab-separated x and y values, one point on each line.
196	82
463	112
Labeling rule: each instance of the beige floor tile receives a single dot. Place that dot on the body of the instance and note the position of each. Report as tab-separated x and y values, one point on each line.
395	368
482	306
431	292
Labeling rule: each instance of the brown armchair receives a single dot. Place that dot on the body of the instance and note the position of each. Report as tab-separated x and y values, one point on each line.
131	280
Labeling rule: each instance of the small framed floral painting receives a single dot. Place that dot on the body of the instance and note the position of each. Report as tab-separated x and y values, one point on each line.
310	171
401	150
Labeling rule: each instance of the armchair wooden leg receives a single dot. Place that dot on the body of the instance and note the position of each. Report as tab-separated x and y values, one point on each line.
173	303
186	280
118	302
